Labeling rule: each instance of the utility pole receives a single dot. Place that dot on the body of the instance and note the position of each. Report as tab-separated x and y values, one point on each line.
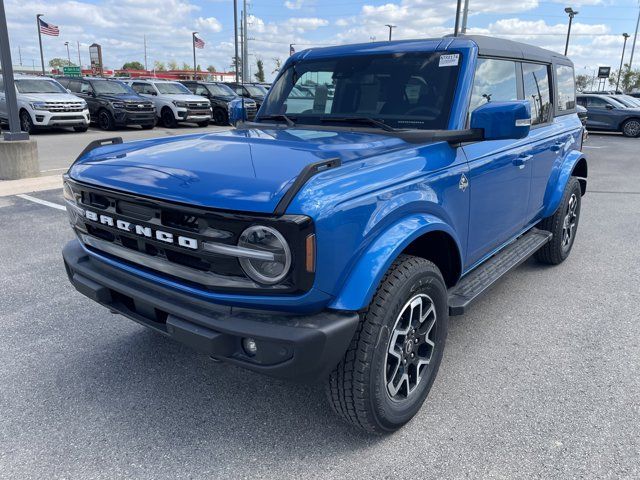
66	44
20	54
391	27
40	40
635	37
242	44
79	59
235	35
145	53
456	28
624	46
14	132
245	44
572	13
193	44
465	13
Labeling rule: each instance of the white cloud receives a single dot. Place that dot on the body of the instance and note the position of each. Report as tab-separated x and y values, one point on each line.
294	5
210	24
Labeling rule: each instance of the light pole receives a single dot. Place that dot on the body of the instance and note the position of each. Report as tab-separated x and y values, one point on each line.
40	40
235	36
79	59
624	45
572	13
635	37
66	44
391	27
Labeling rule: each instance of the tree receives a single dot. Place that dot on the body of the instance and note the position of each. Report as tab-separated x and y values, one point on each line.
186	66
172	65
133	66
60	62
211	69
278	63
159	66
629	80
233	65
260	73
581	82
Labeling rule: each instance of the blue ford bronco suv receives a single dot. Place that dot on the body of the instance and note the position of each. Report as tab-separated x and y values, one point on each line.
333	237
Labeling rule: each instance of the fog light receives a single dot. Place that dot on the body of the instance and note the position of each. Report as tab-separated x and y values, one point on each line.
249	345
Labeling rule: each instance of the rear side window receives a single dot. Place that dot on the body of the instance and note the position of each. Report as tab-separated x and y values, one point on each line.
596	102
537	91
74	86
495	81
566	88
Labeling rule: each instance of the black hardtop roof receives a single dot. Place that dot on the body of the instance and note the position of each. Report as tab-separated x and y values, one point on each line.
501	47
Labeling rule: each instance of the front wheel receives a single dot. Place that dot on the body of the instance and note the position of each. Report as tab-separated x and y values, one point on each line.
631	128
105	120
394	357
220	117
26	123
168	119
563	225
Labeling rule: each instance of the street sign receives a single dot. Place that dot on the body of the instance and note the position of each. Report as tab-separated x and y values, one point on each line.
71	71
604	72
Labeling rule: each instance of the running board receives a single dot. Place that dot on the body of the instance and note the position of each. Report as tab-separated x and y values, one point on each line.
472	285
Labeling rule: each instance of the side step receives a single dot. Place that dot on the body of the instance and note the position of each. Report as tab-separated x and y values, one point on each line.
480	279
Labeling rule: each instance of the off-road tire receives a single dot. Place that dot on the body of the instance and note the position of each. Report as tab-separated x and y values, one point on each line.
168	118
105	120
357	388
555	252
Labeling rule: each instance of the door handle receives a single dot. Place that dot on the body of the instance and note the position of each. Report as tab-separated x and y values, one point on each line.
557	146
521	160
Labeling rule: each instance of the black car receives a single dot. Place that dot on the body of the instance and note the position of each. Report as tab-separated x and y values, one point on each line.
605	112
112	103
222	99
249	90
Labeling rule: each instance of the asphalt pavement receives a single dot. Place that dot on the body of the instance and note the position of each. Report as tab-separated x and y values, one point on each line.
541	379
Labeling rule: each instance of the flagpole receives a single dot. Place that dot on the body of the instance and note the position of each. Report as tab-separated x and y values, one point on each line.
40	40
193	44
235	35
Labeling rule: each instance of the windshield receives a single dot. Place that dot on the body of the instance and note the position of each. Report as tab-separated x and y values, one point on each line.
109	87
220	90
410	90
616	103
39	86
628	101
256	90
170	88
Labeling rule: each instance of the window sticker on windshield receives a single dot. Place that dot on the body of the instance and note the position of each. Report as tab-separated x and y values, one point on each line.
450	60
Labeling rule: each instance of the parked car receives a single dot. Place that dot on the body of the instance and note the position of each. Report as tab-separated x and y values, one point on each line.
627	100
335	243
225	103
606	113
44	103
249	90
174	102
112	103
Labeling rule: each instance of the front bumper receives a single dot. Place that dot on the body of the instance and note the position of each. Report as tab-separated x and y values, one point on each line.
123	117
302	348
45	118
188	115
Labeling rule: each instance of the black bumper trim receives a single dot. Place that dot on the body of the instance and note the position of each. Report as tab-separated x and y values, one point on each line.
304	348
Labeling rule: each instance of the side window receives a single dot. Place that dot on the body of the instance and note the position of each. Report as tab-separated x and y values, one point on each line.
582	101
74	86
85	88
495	81
596	102
536	89
138	87
566	88
199	90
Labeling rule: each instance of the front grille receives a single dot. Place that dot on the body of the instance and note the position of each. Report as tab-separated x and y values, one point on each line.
203	269
198	105
64	107
66	117
138	107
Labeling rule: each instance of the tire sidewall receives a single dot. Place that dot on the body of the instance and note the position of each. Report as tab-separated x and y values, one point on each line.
105	121
389	413
572	188
26	115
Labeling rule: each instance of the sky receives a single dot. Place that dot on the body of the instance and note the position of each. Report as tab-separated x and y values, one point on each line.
120	26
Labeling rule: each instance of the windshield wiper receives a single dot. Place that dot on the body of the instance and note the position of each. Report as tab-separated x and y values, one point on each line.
365	120
279	116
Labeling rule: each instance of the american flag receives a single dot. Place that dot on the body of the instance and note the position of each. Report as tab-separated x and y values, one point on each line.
291	49
198	42
48	28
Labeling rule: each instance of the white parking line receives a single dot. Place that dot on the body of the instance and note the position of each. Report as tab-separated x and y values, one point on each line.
41	202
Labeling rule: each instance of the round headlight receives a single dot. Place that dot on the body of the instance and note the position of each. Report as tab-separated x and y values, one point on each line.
273	256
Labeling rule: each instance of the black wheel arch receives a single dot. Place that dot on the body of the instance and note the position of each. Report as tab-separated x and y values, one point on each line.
441	249
580	171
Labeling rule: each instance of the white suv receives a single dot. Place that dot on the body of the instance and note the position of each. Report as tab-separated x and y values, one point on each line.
174	102
43	102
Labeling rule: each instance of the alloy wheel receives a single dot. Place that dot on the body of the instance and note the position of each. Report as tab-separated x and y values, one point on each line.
569	222
632	128
411	347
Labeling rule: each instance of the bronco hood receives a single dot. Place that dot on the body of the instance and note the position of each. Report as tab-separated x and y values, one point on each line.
241	170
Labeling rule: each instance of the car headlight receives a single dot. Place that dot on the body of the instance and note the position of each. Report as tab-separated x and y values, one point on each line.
117	104
276	262
180	104
71	202
39	105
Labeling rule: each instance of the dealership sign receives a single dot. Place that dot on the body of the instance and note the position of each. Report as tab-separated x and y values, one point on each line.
604	72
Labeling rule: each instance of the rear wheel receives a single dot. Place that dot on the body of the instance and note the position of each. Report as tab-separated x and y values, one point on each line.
26	123
631	128
105	120
168	119
563	224
395	354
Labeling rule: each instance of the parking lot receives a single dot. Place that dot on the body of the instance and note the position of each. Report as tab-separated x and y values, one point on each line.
541	379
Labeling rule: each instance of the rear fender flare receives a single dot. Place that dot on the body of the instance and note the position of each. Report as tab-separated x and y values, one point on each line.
363	280
556	191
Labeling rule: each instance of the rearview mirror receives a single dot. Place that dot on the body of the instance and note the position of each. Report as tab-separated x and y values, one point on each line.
503	120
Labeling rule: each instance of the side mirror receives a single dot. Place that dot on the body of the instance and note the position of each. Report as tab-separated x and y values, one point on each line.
503	120
69	91
608	106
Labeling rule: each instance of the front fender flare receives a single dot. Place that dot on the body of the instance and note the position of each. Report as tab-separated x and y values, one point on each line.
556	191
364	278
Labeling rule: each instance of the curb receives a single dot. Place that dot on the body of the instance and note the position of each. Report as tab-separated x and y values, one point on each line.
27	185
